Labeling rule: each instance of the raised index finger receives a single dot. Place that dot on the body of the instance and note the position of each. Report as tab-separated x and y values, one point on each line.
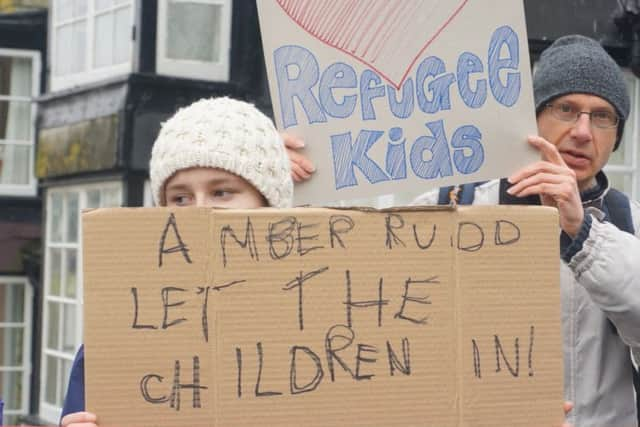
549	151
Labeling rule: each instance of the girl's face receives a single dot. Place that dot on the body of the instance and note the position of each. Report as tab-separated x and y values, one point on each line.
213	188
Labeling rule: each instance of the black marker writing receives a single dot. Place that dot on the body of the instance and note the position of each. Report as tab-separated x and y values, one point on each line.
180	247
363	304
135	325
248	242
311	385
339	224
419	300
297	283
393	222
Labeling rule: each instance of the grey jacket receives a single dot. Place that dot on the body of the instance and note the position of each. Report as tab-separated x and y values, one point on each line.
600	286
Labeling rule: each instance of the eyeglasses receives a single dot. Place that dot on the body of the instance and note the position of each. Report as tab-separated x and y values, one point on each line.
566	112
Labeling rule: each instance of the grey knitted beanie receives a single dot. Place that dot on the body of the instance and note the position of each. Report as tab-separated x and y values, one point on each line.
578	64
228	134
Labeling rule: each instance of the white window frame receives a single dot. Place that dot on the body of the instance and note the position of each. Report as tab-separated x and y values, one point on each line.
631	142
49	412
201	70
147	197
89	74
30	189
26	344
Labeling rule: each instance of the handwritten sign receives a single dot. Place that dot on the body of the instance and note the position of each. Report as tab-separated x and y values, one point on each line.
322	317
400	95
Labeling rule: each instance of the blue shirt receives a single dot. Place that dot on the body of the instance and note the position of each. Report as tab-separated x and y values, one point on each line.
74	400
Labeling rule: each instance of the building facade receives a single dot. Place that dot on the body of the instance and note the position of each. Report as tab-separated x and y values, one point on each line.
23	38
105	76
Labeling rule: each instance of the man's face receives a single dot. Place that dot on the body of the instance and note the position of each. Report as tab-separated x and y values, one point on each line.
584	147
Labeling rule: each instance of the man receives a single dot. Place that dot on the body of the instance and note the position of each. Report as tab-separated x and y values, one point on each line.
582	105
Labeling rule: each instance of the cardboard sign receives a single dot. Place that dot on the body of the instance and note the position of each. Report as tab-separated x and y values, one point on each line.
400	95
318	317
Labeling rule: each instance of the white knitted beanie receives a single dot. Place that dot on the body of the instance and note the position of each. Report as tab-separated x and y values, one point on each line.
228	134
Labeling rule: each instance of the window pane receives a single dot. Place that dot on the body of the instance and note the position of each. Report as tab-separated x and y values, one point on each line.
71	42
73	210
624	155
193	31
63	63
55	271
56	218
93	199
11	340
69	328
104	35
63	9
11	391
79	8
15	162
52	332
103	4
11	303
79	46
71	280
52	380
15	76
122	43
621	181
111	198
15	120
66	372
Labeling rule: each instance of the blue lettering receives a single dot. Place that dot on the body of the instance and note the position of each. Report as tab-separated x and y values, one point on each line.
403	108
302	61
367	93
440	162
396	161
338	75
346	156
506	94
438	88
467	138
469	63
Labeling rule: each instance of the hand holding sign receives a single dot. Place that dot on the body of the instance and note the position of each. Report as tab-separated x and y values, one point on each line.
555	182
79	419
301	166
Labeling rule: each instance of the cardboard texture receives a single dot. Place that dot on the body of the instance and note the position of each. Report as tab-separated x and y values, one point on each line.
429	316
399	96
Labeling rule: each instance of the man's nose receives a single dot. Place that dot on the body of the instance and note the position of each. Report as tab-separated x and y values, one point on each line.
582	130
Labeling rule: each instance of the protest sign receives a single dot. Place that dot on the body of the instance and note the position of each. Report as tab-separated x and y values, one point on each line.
398	96
425	316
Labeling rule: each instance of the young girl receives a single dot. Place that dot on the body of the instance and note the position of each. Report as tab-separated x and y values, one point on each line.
220	153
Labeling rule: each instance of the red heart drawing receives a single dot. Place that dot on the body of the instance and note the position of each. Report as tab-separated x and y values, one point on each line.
388	36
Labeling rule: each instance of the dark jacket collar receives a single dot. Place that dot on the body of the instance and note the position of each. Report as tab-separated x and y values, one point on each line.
591	197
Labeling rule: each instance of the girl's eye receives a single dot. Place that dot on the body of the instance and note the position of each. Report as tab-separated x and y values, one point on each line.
221	193
180	200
